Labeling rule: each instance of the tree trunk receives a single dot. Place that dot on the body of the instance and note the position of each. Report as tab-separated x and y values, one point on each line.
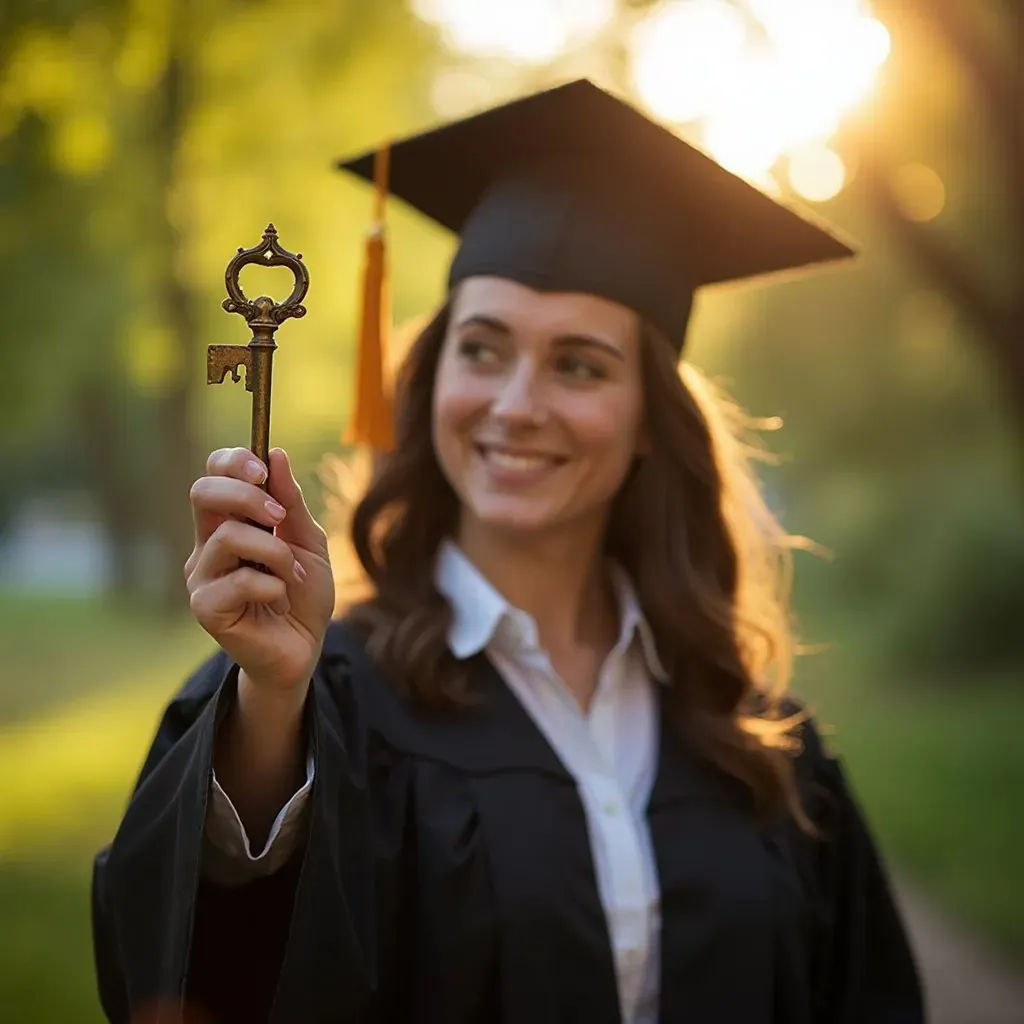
100	414
999	88
180	460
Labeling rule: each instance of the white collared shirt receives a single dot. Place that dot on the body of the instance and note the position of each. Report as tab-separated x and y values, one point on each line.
610	750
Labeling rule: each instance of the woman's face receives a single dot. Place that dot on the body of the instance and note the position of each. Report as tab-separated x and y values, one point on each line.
538	405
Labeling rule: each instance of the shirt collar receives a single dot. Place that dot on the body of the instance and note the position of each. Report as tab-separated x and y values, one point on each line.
633	622
477	607
480	613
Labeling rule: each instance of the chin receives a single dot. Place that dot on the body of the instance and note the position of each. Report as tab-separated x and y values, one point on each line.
515	517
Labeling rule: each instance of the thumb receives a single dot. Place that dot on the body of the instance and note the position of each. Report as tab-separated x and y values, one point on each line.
299	526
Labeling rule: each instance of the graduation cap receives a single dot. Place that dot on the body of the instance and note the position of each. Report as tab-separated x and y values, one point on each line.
574	190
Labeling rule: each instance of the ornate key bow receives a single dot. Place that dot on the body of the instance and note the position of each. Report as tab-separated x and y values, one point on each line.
264	316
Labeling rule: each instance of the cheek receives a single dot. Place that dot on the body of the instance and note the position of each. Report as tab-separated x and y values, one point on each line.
608	430
606	435
459	402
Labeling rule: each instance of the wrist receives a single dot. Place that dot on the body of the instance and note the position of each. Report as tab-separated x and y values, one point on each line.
269	702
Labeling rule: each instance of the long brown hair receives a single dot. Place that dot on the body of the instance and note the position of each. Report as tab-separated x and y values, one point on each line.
708	559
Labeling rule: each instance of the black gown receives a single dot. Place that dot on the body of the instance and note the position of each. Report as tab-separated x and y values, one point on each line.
446	878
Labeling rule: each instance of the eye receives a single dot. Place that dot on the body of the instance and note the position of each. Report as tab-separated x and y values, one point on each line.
578	368
477	352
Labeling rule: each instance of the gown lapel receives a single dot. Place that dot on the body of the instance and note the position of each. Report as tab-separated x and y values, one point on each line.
555	960
557	967
717	909
495	735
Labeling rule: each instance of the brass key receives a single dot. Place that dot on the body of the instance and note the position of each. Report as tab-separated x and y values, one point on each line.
264	316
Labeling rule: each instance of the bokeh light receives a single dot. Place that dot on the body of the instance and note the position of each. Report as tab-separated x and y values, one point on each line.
528	31
920	192
752	82
760	84
684	57
457	91
816	172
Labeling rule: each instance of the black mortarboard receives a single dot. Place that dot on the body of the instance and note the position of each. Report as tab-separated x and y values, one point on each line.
574	190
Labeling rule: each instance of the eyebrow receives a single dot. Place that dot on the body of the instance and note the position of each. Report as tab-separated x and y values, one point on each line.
578	340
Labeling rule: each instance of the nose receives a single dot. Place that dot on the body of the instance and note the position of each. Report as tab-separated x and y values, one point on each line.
519	399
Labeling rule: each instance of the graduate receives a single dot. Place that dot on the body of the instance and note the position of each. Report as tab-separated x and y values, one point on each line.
545	772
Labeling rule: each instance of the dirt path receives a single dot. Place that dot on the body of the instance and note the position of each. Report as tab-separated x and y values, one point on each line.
967	983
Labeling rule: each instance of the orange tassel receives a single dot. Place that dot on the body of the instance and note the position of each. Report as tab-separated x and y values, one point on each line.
373	420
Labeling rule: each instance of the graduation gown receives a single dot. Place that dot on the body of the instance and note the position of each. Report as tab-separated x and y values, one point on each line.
446	878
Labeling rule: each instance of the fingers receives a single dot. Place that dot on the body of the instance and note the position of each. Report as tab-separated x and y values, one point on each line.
299	527
219	603
216	498
234	541
230	488
236	462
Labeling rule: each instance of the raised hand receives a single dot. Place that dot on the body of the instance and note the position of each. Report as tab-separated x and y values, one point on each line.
271	623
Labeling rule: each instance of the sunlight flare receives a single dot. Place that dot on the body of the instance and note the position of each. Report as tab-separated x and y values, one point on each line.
527	31
755	82
684	57
762	84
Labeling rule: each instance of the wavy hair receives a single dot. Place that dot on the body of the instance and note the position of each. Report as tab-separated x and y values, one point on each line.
709	561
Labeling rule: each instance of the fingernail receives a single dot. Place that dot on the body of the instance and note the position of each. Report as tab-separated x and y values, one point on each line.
300	573
255	471
276	511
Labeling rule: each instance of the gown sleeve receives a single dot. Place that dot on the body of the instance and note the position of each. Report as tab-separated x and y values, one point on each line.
173	945
865	971
228	857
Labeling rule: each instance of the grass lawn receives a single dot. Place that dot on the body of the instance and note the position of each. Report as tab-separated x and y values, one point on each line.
46	972
81	688
940	772
53	650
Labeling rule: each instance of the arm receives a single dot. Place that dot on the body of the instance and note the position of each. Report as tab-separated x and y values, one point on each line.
223	947
266	808
302	939
229	858
260	753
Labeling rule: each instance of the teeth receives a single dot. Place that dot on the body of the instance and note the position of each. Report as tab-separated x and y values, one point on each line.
517	462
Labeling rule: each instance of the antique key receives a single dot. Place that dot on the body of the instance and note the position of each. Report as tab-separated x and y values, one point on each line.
264	316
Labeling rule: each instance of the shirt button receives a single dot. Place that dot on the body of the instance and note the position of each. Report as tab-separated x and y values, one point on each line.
611	808
632	957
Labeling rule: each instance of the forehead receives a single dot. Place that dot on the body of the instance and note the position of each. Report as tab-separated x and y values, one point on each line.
524	309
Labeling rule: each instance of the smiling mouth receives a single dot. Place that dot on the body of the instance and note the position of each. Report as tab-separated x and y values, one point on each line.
518	462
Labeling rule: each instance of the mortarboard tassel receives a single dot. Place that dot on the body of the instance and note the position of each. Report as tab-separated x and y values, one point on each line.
373	424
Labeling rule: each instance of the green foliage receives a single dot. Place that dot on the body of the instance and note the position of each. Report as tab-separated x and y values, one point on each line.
939	773
92	179
45	946
898	459
954	601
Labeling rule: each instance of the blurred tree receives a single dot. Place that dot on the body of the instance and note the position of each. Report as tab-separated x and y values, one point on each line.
142	141
985	42
179	448
65	401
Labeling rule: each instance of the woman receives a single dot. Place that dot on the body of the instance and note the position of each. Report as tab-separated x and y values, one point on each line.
542	773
